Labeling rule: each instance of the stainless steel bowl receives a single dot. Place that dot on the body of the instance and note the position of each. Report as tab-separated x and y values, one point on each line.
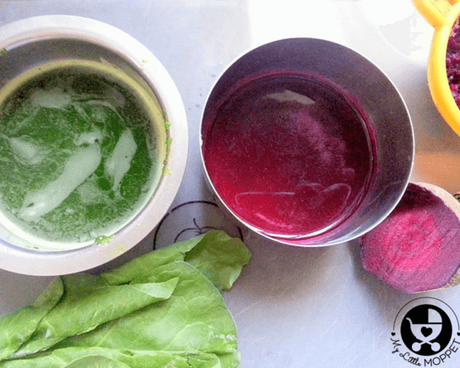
380	100
31	42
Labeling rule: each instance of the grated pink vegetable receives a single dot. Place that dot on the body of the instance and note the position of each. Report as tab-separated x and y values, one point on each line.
453	62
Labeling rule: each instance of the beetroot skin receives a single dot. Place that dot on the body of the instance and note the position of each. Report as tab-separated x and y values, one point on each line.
417	247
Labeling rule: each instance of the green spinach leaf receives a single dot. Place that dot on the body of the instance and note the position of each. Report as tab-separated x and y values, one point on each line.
163	309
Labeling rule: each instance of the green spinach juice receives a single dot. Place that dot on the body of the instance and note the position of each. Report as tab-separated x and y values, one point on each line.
82	148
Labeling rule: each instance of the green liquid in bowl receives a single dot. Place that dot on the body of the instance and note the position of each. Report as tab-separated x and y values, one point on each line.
82	147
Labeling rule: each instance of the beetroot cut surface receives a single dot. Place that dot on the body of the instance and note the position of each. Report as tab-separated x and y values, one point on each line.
417	247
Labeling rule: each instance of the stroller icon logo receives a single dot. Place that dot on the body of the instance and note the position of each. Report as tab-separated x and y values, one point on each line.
425	331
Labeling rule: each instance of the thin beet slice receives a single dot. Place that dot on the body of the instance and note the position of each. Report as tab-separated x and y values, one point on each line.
417	247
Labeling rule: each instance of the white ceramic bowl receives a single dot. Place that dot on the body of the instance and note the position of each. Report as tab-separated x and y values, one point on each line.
30	42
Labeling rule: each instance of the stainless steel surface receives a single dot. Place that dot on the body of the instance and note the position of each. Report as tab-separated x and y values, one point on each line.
294	307
389	122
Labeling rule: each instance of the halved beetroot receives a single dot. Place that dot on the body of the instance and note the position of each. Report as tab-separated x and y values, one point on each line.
417	247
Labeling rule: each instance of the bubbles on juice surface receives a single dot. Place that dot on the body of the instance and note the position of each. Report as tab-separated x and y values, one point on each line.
78	155
288	154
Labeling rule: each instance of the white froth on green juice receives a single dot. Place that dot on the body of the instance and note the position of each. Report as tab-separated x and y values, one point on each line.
77	169
55	98
120	162
89	138
92	163
26	150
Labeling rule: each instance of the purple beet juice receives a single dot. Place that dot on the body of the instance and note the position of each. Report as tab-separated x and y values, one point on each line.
289	153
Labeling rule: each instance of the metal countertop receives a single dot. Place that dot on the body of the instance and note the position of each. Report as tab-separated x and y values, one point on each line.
294	307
